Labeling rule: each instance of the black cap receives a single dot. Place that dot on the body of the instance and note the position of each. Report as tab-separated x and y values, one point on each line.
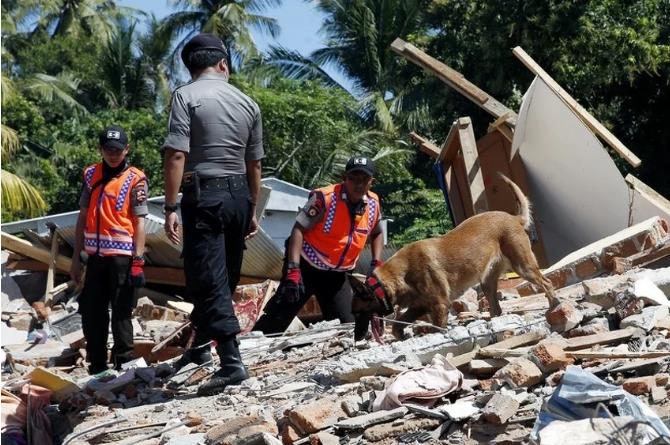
200	42
113	137
360	164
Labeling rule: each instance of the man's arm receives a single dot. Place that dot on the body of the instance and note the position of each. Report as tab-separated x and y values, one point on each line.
172	172
139	236
75	268
295	244
254	181
377	245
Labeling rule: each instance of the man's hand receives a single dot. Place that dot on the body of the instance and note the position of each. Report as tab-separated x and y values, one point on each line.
137	273
172	227
292	285
253	227
373	265
75	269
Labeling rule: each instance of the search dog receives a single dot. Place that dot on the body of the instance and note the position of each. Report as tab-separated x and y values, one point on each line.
426	276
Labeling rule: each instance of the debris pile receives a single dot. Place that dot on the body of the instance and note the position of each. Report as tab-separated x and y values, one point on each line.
594	369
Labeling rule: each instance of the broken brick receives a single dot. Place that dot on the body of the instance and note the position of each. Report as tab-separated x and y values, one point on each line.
639	385
316	415
564	317
549	357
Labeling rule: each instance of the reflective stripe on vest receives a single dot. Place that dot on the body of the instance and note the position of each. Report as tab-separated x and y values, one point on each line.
109	226
336	241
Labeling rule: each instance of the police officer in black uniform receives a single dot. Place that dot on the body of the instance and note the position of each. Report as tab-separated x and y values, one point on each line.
213	150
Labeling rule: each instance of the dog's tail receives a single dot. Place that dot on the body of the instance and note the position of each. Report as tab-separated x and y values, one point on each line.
524	203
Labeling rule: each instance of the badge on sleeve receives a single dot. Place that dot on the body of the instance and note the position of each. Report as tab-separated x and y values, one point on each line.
140	195
312	211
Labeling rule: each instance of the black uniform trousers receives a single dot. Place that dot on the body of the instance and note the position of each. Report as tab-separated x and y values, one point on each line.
215	221
331	289
107	283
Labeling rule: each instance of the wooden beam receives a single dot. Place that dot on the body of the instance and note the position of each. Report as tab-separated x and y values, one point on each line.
473	169
51	273
525	304
580	111
652	195
425	145
615	354
586	341
450	147
454	79
15	244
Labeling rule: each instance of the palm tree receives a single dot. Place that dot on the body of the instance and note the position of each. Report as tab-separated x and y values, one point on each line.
229	19
359	34
17	194
93	18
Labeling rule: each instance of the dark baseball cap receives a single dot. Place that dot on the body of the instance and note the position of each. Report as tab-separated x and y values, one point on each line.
200	42
113	137
360	164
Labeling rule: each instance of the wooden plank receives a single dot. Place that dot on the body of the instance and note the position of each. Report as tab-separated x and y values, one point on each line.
615	354
652	195
454	79
586	341
15	244
516	341
636	364
51	273
473	169
525	304
580	111
508	343
425	145
450	147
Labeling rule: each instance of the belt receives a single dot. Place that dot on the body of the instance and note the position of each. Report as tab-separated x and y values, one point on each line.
224	183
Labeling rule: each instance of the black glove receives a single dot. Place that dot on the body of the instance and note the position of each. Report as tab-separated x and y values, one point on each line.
291	292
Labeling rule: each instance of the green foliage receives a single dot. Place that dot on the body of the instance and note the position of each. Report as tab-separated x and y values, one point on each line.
307	130
417	212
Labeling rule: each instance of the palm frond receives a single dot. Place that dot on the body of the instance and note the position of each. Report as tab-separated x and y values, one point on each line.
59	88
19	196
10	142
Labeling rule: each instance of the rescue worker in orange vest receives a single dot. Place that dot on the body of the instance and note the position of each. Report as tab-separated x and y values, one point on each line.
110	228
329	234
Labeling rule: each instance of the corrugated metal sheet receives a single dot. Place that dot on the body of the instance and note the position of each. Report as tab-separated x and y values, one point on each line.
262	258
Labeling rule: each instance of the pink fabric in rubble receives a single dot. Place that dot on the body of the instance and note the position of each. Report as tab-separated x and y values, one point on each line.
424	386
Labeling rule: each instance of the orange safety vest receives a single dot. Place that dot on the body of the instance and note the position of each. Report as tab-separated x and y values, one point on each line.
109	226
336	241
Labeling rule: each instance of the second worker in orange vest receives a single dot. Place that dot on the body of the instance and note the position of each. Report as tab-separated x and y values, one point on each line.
329	234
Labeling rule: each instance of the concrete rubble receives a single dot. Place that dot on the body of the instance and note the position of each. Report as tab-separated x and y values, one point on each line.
318	386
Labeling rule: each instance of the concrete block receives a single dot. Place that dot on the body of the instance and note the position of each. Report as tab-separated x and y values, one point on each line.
564	317
662	378
646	319
521	373
316	415
658	394
500	409
593	327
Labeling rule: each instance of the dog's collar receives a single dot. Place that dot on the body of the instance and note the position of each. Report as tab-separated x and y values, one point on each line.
378	290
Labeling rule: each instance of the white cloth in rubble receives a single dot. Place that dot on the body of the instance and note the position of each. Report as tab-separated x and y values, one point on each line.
423	386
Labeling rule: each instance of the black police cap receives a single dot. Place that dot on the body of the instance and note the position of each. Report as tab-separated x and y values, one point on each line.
360	164
113	137
201	42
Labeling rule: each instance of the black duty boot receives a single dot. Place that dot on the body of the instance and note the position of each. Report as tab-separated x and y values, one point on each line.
198	356
232	371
